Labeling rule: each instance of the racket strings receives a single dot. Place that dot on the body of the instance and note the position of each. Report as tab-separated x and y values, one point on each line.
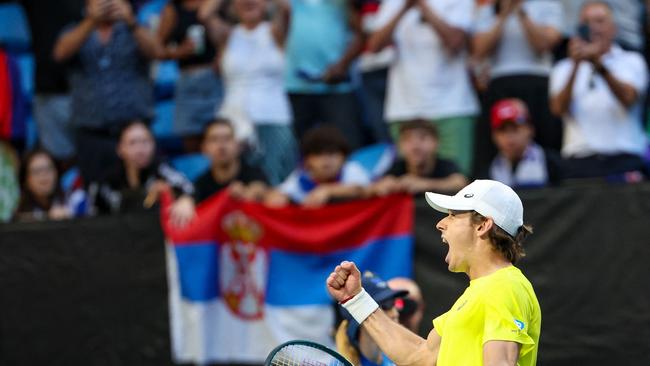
300	355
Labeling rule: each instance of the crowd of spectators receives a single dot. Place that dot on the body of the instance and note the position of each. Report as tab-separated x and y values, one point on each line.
276	95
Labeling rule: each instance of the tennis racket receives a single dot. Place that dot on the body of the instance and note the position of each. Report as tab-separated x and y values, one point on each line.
304	353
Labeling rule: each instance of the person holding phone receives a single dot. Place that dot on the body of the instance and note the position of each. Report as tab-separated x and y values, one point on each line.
108	54
598	92
517	37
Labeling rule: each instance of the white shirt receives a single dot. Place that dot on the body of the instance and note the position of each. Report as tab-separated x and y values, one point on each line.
531	171
253	73
597	122
425	81
298	185
513	54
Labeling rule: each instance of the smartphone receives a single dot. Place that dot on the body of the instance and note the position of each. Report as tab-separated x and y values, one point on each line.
584	32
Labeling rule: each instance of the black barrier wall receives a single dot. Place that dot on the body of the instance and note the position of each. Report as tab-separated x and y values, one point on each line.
93	292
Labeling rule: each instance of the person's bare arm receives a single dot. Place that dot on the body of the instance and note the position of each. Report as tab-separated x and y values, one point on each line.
217	28
484	43
500	353
338	71
383	36
453	38
398	343
327	192
542	38
147	44
281	19
625	93
560	102
452	183
71	41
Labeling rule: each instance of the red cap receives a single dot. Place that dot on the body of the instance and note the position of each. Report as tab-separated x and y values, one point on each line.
509	110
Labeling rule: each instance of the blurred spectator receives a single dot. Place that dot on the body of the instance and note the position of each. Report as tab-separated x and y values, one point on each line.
51	107
598	92
374	73
420	169
352	340
324	175
520	163
137	180
41	195
9	189
429	79
410	307
324	39
228	169
252	64
198	89
518	37
108	54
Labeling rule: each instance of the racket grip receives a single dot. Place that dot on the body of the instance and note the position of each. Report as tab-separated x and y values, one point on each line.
361	306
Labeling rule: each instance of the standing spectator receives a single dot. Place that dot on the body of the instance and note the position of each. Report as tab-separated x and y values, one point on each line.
51	108
9	188
324	38
598	92
136	181
520	163
420	169
518	38
41	197
227	169
374	73
411	307
198	89
253	65
324	176
108	54
429	79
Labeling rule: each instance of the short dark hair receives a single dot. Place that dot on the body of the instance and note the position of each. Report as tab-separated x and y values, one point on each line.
419	124
510	247
219	121
324	139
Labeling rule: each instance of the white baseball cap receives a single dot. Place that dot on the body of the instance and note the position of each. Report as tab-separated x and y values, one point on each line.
489	198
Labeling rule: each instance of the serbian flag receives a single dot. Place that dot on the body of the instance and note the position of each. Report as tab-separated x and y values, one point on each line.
244	278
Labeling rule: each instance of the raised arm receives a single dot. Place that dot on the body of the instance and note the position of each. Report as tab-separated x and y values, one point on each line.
560	102
217	28
542	38
281	19
398	343
383	36
147	44
71	41
453	38
484	43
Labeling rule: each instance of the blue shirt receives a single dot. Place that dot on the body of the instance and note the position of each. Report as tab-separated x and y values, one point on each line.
319	35
110	82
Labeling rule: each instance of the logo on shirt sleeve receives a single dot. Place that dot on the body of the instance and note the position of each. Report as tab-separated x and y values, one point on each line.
520	325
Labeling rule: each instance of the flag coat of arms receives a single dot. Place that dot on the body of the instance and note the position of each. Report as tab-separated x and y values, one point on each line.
244	278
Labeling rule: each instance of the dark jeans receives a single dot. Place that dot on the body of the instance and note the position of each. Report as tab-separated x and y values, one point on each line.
373	96
339	109
607	166
95	153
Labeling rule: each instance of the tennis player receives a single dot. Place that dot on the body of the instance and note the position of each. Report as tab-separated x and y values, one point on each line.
496	321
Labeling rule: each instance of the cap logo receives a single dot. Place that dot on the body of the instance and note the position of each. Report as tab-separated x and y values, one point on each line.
469	195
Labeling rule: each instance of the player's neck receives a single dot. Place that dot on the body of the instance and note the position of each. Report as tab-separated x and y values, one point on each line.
486	264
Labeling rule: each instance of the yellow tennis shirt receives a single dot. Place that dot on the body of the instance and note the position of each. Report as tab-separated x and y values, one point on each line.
499	307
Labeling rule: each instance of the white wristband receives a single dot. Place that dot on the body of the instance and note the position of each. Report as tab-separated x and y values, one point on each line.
361	306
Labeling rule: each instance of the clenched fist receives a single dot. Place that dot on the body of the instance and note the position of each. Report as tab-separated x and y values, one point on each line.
345	282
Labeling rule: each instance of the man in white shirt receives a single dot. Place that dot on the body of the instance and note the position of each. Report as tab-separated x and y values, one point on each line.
429	78
598	91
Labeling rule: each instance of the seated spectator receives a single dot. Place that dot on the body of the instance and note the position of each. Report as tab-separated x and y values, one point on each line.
352	340
410	307
429	79
518	37
420	169
598	91
324	175
108	54
198	89
227	169
9	187
41	197
136	181
252	64
520	162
